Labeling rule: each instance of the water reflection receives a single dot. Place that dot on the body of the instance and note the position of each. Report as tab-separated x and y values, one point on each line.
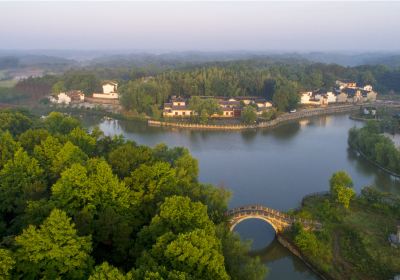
273	167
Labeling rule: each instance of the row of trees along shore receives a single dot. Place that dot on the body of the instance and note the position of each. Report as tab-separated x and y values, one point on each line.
145	89
79	205
375	146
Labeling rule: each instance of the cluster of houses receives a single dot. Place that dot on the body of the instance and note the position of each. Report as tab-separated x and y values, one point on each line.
230	107
344	92
110	93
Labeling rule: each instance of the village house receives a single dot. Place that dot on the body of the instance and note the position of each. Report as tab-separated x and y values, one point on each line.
345	84
72	96
109	91
177	108
313	98
230	107
345	92
341	97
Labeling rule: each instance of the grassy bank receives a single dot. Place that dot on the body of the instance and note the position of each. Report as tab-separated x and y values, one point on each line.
354	242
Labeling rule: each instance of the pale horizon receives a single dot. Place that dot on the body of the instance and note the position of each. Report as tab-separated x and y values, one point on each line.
201	26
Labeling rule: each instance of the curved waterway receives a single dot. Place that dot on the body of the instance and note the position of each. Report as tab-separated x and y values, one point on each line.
274	167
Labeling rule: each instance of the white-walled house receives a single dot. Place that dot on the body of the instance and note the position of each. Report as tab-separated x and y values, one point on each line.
110	87
61	98
109	91
331	97
367	88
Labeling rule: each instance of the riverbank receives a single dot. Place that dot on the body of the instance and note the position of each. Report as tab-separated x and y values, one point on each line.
377	164
268	124
288	244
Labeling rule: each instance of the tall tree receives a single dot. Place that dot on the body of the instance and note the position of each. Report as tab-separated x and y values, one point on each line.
53	250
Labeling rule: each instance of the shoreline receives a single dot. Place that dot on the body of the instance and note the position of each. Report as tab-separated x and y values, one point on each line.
285	242
268	124
391	173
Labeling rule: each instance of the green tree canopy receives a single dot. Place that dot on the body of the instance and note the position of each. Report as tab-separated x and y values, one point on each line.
7	264
21	179
249	115
341	188
53	250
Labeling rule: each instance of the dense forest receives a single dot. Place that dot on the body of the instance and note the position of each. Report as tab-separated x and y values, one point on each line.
80	205
146	87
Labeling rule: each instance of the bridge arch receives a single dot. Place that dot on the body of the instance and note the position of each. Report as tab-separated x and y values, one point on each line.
234	223
278	220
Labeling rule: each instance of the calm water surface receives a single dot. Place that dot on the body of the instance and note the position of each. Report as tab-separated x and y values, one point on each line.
275	167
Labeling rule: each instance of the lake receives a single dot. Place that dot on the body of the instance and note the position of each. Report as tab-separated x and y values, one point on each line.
274	167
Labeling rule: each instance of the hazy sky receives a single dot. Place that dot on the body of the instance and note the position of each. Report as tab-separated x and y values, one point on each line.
301	26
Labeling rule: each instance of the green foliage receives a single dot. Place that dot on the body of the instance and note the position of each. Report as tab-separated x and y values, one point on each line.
84	141
125	158
354	251
14	121
237	264
7	264
249	115
185	242
7	147
341	188
21	179
286	96
307	242
207	106
56	122
106	271
125	209
375	146
68	155
53	250
32	137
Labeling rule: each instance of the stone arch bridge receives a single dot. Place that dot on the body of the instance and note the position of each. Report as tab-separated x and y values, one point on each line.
278	220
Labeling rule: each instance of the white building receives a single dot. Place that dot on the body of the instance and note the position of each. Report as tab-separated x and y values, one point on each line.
109	91
110	87
61	98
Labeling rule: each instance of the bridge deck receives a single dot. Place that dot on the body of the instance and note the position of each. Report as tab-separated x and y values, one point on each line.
260	210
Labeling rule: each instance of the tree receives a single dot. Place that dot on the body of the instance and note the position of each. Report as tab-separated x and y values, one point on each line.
125	158
53	250
58	87
32	137
286	96
94	188
344	195
106	271
249	115
56	122
83	140
182	238
14	121
150	184
341	188
239	264
68	155
7	264
7	147
187	167
307	242
21	179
